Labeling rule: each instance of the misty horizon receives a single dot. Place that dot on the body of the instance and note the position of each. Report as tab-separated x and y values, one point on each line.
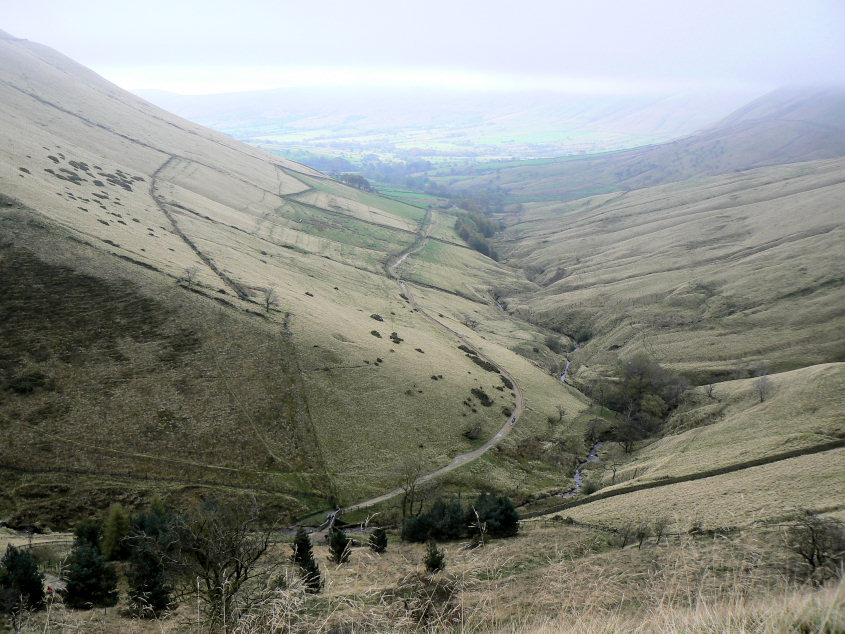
604	48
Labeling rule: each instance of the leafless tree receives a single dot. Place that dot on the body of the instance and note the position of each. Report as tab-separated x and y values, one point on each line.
613	467
763	386
592	433
820	545
642	532
658	527
269	298
709	388
220	549
624	534
409	472
189	276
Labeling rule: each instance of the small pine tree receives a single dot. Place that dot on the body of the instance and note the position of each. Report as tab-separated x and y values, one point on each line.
435	559
21	585
497	512
378	540
88	532
148	590
339	547
303	556
90	580
115	531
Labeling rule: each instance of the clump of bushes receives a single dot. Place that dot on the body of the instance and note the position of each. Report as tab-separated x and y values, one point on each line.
475	229
375	333
482	397
486	365
645	394
472	431
448	519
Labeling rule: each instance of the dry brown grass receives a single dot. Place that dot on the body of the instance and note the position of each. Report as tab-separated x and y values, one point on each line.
551	577
194	198
711	277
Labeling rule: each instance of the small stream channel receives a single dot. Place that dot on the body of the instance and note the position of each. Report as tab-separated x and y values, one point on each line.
579	479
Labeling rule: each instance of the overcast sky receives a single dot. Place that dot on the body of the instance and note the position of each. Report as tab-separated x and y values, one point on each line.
195	46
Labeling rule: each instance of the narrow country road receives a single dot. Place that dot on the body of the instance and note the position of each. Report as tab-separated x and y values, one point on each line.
519	403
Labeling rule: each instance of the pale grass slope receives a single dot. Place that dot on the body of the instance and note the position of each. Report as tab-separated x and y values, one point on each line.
712	278
134	181
551	578
803	409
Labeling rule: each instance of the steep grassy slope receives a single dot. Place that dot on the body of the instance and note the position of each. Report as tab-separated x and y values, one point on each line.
804	409
732	459
115	385
786	126
713	277
281	248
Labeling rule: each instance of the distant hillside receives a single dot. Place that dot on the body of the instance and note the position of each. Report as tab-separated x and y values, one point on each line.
717	277
786	126
449	124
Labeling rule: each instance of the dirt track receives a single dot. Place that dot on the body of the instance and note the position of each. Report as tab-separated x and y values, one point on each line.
519	404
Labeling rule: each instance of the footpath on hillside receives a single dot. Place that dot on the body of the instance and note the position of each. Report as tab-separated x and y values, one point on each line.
519	403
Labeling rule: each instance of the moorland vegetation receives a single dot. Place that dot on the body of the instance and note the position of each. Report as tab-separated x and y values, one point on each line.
205	345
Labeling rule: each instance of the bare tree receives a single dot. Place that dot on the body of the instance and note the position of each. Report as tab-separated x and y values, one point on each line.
409	472
614	467
189	276
709	389
269	298
624	534
820	545
592	434
642	532
658	527
763	386
220	549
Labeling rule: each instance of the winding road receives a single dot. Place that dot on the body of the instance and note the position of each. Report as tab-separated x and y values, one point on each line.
519	401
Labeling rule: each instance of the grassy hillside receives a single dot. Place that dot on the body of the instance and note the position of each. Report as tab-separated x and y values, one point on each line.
553	577
732	459
287	257
715	278
116	385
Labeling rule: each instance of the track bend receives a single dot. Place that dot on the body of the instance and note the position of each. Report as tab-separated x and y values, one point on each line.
519	401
